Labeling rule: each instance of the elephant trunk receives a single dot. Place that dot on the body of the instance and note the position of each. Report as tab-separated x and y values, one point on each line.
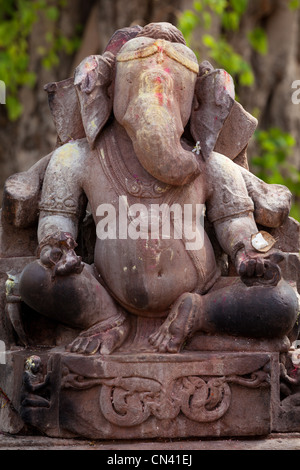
154	124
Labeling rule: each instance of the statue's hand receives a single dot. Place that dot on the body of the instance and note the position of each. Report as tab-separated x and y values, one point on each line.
61	261
255	270
57	252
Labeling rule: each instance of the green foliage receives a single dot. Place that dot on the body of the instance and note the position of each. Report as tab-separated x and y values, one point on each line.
258	40
187	23
230	13
17	18
224	55
272	162
15	26
294	4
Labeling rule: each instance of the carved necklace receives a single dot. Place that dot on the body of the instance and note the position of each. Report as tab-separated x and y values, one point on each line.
112	161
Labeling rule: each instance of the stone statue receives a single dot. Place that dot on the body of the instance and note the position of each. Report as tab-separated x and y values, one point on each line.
34	391
153	145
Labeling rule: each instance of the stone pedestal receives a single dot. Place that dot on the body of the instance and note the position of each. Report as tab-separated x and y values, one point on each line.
141	396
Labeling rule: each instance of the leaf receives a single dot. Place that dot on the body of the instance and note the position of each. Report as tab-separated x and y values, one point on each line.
294	4
217	6
272	164
208	40
231	20
14	107
206	19
295	212
258	40
239	6
187	22
198	6
52	13
247	77
29	79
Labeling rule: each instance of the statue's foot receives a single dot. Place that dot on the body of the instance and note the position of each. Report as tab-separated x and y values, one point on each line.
101	338
180	324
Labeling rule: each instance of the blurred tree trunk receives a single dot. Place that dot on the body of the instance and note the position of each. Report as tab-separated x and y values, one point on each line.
275	71
32	136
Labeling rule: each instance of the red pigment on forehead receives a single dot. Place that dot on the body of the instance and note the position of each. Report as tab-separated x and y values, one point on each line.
158	91
160	98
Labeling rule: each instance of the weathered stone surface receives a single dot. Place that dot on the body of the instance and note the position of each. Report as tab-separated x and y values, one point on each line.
61	95
21	196
17	242
288	236
290	267
148	396
236	133
10	383
12	267
114	449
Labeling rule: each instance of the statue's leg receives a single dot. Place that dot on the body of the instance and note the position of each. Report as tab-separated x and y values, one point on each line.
259	311
179	325
256	312
79	301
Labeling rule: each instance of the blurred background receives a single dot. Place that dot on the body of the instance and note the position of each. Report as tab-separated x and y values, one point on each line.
256	41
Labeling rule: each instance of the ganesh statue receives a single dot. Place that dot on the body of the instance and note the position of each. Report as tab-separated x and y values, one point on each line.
148	272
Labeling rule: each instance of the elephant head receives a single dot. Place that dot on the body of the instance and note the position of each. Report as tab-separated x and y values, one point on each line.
151	83
153	96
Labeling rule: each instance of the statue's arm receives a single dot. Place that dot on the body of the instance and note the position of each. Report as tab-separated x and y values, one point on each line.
62	205
229	207
231	211
62	199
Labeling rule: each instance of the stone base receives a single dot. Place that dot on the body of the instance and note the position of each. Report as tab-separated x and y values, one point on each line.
144	396
112	450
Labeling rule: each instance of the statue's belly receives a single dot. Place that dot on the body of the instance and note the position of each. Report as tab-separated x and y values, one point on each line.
145	276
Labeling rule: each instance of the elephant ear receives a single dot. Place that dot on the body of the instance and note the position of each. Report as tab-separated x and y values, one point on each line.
214	99
92	80
81	106
235	135
65	110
